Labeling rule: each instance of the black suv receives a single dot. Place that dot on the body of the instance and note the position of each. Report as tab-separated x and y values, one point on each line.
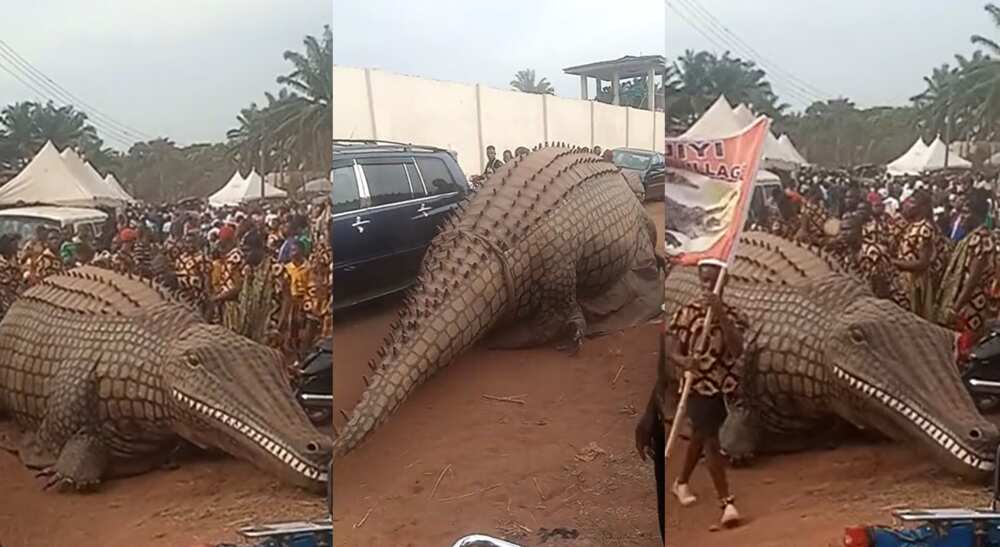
388	201
649	165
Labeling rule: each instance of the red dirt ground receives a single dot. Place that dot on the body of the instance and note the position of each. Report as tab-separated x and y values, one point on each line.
203	501
565	459
808	499
512	468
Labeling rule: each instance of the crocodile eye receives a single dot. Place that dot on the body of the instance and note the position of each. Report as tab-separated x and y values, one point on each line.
857	336
192	361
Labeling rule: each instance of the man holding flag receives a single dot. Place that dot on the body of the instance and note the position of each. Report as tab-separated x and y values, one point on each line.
715	373
709	182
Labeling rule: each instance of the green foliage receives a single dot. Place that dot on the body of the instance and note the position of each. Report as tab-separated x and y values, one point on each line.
293	130
696	79
159	170
26	126
524	81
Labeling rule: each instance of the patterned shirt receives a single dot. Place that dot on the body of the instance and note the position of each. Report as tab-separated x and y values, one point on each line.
812	217
43	266
191	267
981	245
231	274
917	236
722	373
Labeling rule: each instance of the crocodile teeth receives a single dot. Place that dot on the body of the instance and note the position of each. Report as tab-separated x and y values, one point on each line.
939	435
273	447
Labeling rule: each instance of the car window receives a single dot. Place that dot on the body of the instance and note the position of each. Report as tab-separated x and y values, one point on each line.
437	176
415	182
86	231
24	226
631	160
387	183
345	190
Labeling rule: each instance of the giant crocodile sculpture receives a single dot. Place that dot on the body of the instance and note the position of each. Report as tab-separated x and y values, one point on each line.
542	235
106	374
822	349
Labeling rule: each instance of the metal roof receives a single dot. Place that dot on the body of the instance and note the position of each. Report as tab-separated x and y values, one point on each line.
628	66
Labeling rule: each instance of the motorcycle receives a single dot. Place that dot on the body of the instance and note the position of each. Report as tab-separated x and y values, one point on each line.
314	383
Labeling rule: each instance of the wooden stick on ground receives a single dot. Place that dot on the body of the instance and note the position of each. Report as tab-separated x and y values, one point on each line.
617	374
516	399
438	482
364	519
541	496
470	494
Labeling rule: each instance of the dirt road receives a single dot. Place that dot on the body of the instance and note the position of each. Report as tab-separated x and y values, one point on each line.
564	459
203	501
808	499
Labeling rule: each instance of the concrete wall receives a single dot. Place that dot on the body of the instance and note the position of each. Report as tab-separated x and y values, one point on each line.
374	104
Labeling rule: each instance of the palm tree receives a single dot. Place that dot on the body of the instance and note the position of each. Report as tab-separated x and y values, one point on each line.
26	126
524	81
983	81
293	131
698	78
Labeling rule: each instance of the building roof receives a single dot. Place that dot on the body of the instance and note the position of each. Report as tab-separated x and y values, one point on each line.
627	67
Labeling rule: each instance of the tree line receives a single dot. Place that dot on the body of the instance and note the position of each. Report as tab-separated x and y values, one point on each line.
289	133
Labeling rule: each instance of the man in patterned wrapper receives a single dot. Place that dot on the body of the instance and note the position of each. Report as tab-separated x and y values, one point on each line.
716	367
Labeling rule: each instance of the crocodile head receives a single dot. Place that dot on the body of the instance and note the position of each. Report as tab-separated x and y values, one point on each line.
227	392
896	373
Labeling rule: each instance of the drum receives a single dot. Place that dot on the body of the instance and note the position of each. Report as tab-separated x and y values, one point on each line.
831	227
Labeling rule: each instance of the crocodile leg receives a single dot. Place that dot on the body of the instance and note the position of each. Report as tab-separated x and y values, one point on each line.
559	314
81	463
66	445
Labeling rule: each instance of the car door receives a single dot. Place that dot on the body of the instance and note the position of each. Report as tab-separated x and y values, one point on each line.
443	193
394	252
347	228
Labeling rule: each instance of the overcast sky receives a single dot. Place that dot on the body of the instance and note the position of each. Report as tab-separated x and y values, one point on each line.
180	68
871	52
473	41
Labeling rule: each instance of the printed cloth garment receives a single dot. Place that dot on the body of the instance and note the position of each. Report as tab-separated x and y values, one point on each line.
980	245
919	286
722	373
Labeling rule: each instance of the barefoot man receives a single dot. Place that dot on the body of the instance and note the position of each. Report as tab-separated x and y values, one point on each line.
716	368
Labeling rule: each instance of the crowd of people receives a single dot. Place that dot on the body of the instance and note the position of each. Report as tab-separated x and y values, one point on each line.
493	163
924	242
261	270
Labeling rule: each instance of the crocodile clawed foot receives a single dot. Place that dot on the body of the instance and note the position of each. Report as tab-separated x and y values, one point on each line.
62	483
575	342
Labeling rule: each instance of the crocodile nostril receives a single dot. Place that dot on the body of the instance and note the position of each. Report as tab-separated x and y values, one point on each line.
312	447
976	434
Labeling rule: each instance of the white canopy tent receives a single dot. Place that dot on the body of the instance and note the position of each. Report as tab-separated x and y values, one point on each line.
908	163
239	190
85	172
255	183
791	151
718	121
49	178
921	157
111	181
775	154
934	157
230	192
